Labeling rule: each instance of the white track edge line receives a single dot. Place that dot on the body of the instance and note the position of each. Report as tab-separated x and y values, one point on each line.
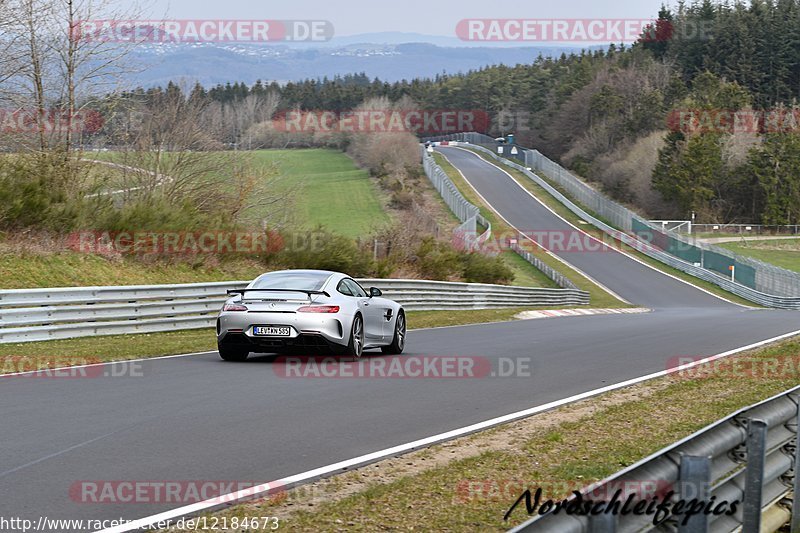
428	441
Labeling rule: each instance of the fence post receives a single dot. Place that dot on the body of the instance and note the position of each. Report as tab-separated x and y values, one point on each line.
754	475
695	475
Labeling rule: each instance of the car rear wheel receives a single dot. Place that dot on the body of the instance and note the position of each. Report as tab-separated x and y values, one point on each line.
232	354
356	346
399	340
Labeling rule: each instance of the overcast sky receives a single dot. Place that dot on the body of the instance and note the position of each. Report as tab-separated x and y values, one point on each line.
434	17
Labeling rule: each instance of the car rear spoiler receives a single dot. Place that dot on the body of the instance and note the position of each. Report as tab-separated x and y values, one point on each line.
309	293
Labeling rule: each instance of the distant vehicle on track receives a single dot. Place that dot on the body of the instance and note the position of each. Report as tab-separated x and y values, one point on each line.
311	310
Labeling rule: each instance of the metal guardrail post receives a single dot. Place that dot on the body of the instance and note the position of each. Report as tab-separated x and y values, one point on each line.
754	475
695	482
795	523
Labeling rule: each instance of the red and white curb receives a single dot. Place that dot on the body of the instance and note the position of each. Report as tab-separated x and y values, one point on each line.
529	315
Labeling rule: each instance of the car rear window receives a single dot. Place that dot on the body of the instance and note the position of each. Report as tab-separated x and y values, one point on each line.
307	281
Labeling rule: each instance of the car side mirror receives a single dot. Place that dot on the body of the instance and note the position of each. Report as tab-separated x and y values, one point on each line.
374	291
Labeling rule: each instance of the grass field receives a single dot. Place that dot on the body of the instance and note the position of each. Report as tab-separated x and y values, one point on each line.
330	190
327	189
784	253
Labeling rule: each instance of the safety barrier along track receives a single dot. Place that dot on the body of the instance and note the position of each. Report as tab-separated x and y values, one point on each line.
59	313
749	457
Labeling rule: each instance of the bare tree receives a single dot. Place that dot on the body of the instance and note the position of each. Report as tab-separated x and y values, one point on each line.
88	64
50	67
10	59
25	49
171	155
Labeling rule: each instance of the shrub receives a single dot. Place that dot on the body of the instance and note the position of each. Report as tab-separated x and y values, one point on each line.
480	268
324	250
402	200
435	260
36	192
157	214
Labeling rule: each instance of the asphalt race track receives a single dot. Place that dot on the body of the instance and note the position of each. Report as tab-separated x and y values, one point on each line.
199	418
630	279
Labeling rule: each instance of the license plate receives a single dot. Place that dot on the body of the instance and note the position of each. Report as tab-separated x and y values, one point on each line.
272	331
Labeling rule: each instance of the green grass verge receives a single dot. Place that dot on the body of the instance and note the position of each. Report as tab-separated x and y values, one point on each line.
598	297
559	451
73	269
784	253
68	352
568	215
331	190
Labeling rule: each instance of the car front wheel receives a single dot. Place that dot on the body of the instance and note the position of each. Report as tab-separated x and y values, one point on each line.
399	339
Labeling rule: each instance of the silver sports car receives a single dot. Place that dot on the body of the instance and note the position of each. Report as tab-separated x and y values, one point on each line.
290	310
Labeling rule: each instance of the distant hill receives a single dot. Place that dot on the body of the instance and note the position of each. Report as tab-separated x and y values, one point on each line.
391	61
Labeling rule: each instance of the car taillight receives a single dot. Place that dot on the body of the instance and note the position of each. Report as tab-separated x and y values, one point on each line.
319	309
234	307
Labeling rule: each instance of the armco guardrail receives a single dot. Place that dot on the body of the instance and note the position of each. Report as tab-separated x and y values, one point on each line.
748	293
560	279
44	314
465	211
750	457
468	213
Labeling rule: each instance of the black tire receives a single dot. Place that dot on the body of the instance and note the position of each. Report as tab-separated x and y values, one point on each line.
399	340
356	345
229	353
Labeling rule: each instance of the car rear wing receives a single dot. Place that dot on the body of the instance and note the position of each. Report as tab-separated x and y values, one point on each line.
309	293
